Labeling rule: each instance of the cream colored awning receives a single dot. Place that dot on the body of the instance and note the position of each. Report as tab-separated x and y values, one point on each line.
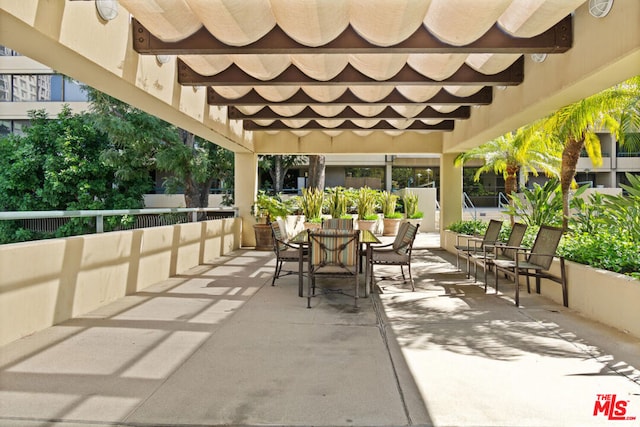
350	65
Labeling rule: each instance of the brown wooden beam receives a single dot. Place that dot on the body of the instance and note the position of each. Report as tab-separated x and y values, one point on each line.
465	75
557	39
483	97
445	125
267	113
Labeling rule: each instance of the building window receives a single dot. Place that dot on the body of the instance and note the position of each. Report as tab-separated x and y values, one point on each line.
41	88
5	128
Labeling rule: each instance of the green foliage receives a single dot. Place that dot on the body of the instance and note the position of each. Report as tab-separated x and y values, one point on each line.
471	227
337	201
606	231
142	142
541	205
389	201
526	149
622	213
619	214
268	207
410	201
367	202
603	249
58	164
312	201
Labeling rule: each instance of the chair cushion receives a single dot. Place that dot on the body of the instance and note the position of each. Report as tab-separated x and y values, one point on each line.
389	257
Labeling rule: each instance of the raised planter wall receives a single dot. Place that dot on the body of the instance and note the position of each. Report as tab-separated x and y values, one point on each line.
46	282
601	295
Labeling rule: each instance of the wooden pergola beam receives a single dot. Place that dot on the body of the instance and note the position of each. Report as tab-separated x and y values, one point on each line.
483	97
464	76
445	125
308	113
557	39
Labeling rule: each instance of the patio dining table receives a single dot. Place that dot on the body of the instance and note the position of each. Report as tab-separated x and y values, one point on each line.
367	238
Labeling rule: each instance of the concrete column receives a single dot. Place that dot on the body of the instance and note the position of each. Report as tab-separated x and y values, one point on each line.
387	176
245	190
450	192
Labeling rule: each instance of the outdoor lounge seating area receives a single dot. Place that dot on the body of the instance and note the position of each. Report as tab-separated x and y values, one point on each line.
513	260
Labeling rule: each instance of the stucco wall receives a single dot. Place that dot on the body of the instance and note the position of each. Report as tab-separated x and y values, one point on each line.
46	282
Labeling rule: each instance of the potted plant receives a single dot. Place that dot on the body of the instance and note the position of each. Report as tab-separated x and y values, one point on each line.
411	211
312	200
337	201
265	209
366	203
392	218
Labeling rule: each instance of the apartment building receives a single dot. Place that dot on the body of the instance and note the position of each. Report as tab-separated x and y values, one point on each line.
27	85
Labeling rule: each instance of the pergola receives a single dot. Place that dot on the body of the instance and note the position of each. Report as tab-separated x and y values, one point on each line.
335	76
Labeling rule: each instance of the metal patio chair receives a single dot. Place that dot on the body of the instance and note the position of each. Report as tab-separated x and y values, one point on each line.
535	262
475	245
333	253
285	251
396	253
498	251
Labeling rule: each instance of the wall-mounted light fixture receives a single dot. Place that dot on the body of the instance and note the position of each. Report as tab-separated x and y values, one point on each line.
107	9
538	57
163	59
600	8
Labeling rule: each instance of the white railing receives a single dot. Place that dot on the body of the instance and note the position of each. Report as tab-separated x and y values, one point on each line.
100	214
468	204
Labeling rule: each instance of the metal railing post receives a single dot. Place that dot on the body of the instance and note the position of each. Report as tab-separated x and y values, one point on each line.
99	223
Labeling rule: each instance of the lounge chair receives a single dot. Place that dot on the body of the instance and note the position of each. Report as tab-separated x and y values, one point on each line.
475	245
535	262
499	251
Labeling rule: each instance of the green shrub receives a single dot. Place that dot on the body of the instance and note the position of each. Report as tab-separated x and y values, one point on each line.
472	227
604	250
539	205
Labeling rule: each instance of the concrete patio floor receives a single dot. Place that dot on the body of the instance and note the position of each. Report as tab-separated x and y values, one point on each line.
220	346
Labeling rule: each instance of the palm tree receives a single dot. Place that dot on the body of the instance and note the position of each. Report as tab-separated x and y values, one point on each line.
524	151
576	125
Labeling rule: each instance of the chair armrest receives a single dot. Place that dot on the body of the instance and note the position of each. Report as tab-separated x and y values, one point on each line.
287	244
466	236
379	246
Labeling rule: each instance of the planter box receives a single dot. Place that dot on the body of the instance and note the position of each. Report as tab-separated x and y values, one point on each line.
600	295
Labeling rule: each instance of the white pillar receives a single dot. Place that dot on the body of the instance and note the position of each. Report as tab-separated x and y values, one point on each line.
245	190
450	192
